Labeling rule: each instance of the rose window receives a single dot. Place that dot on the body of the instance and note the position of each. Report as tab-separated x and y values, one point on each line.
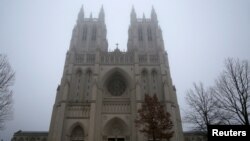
116	85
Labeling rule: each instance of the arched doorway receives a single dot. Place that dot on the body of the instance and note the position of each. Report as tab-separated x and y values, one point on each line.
116	130
77	134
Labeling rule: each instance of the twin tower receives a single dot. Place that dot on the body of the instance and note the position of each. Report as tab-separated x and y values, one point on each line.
101	91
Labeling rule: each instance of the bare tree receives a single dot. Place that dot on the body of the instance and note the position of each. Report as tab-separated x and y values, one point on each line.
233	90
202	108
155	122
7	77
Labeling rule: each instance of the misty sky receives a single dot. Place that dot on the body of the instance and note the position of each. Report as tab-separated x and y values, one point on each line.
35	34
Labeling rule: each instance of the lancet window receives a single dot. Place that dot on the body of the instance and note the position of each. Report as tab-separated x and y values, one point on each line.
149	34
140	33
84	35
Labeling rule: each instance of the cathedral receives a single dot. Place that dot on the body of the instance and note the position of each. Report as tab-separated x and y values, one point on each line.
101	91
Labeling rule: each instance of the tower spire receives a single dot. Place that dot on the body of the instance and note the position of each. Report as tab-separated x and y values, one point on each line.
101	14
133	15
153	15
80	15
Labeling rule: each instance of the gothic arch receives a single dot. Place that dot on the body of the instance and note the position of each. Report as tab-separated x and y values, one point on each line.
88	70
88	74
149	33
143	71
125	75
94	32
88	82
78	70
145	82
116	127
77	81
155	83
154	70
154	75
140	33
84	33
76	132
144	75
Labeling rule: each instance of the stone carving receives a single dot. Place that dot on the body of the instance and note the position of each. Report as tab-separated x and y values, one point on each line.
116	108
116	57
78	111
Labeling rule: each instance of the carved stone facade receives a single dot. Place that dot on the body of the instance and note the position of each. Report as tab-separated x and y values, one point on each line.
101	91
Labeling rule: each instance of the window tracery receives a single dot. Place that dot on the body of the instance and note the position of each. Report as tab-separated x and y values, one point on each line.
116	85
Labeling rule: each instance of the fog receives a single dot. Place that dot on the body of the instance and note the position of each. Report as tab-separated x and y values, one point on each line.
35	35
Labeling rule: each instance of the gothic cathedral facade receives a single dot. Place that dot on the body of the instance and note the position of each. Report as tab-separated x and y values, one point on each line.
101	91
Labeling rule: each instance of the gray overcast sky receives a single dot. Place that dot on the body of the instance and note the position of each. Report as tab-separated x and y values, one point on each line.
35	34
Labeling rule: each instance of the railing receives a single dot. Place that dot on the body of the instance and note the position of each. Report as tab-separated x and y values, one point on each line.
116	58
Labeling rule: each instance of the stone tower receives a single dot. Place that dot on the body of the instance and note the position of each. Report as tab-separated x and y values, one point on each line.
101	91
